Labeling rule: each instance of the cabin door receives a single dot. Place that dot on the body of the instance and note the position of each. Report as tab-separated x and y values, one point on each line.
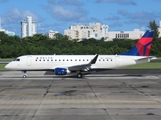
29	60
117	59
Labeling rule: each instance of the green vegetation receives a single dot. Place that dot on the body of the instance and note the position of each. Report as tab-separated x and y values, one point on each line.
151	65
154	26
2	66
13	46
6	59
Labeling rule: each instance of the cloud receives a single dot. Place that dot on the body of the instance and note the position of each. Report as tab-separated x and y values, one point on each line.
123	12
66	14
137	15
15	16
71	2
12	18
122	2
66	10
116	24
113	18
157	0
65	2
51	1
93	19
141	18
3	1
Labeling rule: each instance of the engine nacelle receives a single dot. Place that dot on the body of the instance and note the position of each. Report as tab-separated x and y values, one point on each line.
61	71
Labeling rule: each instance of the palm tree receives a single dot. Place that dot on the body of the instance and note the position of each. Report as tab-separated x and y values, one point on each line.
153	26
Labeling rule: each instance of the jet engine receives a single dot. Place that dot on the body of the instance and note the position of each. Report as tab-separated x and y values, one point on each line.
61	71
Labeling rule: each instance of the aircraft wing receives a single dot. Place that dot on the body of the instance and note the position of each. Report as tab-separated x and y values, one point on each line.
81	67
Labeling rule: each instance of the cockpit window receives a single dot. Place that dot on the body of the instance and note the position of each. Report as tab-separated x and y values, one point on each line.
18	59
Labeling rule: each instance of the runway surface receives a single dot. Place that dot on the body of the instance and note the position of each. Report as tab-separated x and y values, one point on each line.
94	97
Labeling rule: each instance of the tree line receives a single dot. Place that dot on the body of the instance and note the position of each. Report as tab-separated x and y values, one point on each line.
14	46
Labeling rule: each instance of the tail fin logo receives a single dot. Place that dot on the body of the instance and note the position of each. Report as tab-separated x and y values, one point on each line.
143	46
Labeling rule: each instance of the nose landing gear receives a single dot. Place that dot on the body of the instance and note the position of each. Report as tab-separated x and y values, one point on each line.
24	74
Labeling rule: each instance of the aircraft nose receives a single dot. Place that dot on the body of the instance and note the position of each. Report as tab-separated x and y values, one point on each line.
7	66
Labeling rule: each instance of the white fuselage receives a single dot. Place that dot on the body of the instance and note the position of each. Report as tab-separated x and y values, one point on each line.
50	62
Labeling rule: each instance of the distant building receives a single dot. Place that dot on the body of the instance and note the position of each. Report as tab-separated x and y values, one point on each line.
28	27
98	31
136	34
159	29
51	33
94	30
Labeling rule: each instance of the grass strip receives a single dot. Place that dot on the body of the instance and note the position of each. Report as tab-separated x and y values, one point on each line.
151	65
2	66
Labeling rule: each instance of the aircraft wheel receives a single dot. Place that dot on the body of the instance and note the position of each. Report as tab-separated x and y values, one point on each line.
24	76
79	75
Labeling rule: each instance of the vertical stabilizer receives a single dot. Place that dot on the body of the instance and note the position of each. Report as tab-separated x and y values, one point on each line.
143	45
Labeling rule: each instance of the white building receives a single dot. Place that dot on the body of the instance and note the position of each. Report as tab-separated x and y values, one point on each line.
94	30
136	34
28	27
97	31
159	29
51	33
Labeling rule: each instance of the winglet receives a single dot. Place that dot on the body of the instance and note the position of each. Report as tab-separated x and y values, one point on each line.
93	61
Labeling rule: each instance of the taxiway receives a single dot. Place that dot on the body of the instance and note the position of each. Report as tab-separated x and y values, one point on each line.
94	97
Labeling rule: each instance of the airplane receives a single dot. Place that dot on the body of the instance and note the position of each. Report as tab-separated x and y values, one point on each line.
80	64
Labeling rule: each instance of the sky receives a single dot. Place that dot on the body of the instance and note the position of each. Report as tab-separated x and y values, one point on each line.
58	15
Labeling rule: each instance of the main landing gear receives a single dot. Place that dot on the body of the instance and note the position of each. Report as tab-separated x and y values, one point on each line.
24	74
79	75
